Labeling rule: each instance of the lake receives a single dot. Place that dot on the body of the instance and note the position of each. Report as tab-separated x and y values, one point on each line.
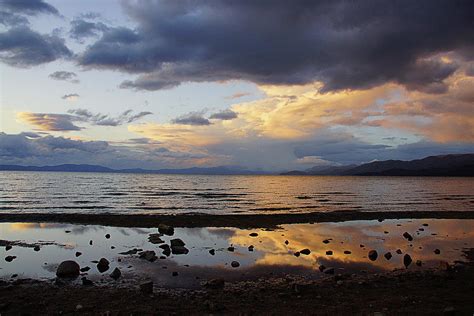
57	192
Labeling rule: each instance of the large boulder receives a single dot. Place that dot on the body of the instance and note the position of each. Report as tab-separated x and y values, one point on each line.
68	269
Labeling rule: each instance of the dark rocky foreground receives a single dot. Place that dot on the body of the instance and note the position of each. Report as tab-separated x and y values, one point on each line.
445	291
239	221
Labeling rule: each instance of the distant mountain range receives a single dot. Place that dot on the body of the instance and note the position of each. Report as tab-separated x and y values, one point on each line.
223	170
446	165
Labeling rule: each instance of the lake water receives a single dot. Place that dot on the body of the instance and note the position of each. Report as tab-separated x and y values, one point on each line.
44	192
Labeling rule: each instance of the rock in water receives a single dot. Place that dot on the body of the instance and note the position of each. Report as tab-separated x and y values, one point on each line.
107	236
347	252
103	265
418	263
166	250
305	251
407	260
130	252
253	234
373	255
179	250
388	255
10	258
231	249
407	236
174	273
297	254
165	230
116	274
329	253
155	239
437	251
177	247
212	252
235	264
251	247
146	287
68	269
85	269
36	248
322	267
8	247
78	253
399	251
326	241
149	255
177	243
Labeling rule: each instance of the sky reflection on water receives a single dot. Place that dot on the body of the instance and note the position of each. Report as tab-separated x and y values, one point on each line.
270	256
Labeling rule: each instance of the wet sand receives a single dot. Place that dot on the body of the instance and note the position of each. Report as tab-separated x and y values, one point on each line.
241	221
433	292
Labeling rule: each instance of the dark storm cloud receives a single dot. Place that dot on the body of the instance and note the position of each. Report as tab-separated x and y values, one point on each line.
30	7
224	115
81	29
22	47
11	19
64	76
192	118
345	44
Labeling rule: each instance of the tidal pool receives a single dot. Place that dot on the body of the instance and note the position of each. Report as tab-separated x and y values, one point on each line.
273	250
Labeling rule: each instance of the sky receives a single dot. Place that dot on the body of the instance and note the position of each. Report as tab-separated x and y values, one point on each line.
265	85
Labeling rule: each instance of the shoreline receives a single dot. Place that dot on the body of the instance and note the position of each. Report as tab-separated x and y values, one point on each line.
238	221
430	292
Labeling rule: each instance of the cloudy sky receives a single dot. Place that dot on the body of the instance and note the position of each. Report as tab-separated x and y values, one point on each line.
273	85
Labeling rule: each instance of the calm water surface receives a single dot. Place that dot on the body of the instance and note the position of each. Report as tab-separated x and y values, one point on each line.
271	254
44	192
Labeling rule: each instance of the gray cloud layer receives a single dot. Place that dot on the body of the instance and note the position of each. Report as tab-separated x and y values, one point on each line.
192	118
345	44
224	115
12	19
22	47
70	96
68	122
30	7
34	149
81	29
64	76
107	120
